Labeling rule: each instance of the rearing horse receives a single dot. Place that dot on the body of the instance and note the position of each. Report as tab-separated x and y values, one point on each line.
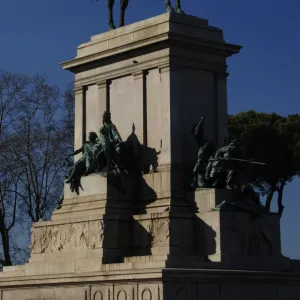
123	6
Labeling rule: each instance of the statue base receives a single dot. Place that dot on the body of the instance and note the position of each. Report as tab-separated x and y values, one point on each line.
156	284
97	249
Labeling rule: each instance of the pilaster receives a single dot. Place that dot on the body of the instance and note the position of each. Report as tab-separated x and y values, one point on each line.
140	100
79	117
221	108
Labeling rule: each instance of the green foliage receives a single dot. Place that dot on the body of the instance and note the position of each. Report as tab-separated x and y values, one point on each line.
275	140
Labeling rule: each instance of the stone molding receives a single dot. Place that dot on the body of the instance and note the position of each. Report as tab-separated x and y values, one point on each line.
153	31
140	74
153	276
122	71
78	90
102	84
174	60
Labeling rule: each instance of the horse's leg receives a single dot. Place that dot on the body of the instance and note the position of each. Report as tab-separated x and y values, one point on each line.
178	7
168	6
110	5
123	6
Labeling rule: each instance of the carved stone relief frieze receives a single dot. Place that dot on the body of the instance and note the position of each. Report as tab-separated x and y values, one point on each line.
151	233
66	237
160	232
96	234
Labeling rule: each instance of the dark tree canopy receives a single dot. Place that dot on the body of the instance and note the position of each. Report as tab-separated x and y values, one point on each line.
273	139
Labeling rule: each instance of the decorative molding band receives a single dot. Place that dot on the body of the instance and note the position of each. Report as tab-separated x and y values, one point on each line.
102	84
163	64
221	75
140	74
164	68
78	90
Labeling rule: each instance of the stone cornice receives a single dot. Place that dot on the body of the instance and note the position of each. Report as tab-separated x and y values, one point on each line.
139	74
78	90
162	63
202	45
221	75
165	31
102	84
122	71
76	63
164	67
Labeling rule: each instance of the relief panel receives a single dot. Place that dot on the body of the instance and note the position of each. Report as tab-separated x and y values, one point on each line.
160	232
67	237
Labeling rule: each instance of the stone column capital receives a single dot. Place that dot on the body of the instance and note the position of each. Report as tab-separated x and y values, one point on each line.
102	84
222	75
139	74
78	90
164	68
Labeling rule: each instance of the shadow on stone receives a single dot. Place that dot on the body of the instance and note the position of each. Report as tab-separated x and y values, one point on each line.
128	194
205	243
150	159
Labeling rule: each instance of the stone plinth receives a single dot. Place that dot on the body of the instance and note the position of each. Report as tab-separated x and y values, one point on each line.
155	284
239	240
161	255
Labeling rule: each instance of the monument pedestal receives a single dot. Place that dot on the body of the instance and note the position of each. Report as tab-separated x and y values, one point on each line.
154	255
152	238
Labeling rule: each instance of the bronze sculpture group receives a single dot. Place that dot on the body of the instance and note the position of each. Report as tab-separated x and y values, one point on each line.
225	167
124	5
107	154
103	154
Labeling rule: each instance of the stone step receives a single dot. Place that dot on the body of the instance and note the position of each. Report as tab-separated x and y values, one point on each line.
145	259
13	268
83	212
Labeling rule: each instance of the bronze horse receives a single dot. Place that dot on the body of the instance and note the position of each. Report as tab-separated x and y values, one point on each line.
123	6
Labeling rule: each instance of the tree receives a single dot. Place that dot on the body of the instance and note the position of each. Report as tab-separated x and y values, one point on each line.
272	139
69	117
37	147
11	96
34	133
8	205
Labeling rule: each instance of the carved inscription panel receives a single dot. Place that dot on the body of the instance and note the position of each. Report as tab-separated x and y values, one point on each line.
124	292
67	237
156	291
55	293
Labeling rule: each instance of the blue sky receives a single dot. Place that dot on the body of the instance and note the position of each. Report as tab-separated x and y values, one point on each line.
36	35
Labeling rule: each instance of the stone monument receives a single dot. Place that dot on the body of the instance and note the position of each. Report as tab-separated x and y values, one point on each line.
151	236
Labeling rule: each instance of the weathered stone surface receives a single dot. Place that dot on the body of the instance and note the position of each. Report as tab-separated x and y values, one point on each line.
155	240
204	200
145	80
241	241
193	285
67	237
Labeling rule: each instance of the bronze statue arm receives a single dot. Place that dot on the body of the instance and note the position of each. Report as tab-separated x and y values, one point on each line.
76	152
